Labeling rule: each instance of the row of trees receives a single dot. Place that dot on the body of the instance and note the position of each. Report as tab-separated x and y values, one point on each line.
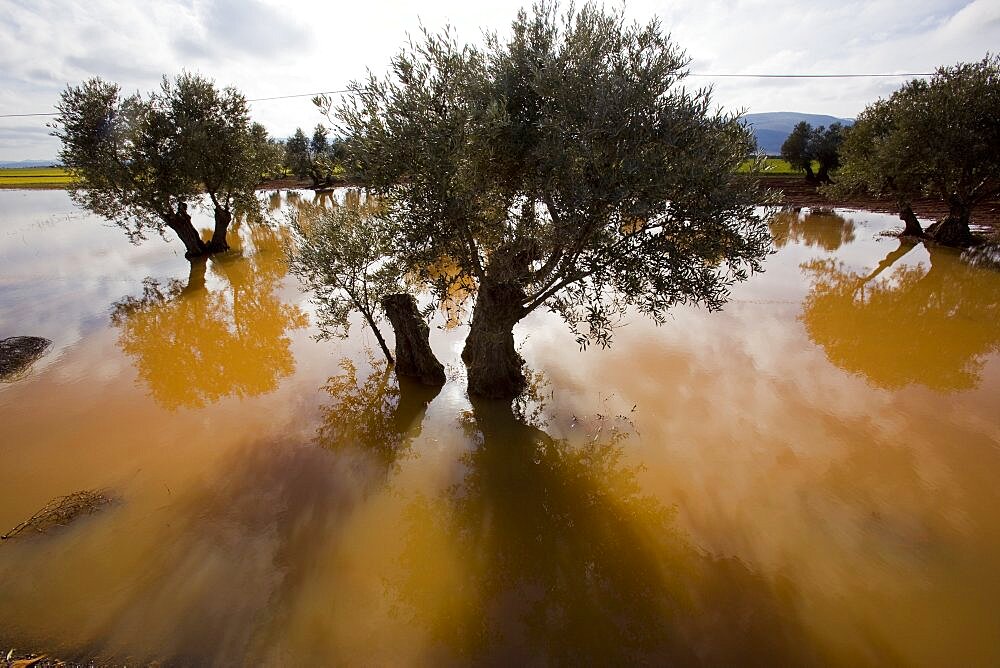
319	158
563	167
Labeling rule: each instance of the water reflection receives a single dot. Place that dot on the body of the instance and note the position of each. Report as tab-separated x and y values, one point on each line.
274	201
378	416
822	228
565	560
192	346
934	326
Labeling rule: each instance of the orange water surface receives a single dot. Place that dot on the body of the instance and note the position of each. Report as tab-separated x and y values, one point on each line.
810	477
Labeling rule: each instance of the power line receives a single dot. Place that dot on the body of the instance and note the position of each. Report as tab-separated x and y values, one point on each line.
817	76
719	76
255	99
284	97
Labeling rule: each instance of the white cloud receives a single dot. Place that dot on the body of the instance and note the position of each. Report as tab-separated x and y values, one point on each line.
266	49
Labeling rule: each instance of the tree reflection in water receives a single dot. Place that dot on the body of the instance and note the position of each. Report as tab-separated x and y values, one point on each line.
564	560
824	229
193	346
934	326
378	416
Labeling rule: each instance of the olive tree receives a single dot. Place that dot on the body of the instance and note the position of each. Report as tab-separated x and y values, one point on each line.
795	149
935	138
806	144
315	158
343	255
563	166
297	153
140	160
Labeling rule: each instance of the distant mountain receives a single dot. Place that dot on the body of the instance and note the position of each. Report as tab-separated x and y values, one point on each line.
772	128
8	164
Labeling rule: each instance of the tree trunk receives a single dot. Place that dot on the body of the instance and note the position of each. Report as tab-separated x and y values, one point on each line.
493	363
378	337
912	228
810	177
180	223
414	357
218	243
823	176
953	230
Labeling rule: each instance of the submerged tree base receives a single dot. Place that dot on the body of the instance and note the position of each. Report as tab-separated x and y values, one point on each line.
913	228
414	357
953	231
495	367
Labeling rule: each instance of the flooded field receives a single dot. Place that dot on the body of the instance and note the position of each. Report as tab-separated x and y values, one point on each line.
809	477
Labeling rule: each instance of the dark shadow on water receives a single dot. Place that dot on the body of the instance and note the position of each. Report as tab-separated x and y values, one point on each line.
565	561
544	552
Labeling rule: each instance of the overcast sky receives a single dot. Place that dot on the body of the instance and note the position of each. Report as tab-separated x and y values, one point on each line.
268	48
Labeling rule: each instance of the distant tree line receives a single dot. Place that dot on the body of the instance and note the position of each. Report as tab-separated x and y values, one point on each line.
321	158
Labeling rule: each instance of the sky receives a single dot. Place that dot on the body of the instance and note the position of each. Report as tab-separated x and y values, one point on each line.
270	48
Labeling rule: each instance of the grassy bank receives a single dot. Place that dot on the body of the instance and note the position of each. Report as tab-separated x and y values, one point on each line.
57	177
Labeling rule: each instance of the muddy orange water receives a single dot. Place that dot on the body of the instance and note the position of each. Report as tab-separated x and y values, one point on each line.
811	477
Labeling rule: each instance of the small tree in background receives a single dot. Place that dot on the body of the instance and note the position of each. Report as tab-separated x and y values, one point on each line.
318	158
140	160
297	157
344	255
806	144
825	145
938	138
796	149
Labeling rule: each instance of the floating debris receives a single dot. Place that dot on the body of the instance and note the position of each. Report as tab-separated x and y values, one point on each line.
18	353
61	511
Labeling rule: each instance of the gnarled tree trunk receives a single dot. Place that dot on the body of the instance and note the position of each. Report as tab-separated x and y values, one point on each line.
414	357
823	176
493	363
953	230
218	243
912	228
180	223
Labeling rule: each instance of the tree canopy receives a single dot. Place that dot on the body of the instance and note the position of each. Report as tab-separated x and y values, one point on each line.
140	160
319	158
806	144
563	166
343	254
935	138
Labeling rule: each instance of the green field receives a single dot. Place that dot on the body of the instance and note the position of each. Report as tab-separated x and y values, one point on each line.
34	177
777	167
57	177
